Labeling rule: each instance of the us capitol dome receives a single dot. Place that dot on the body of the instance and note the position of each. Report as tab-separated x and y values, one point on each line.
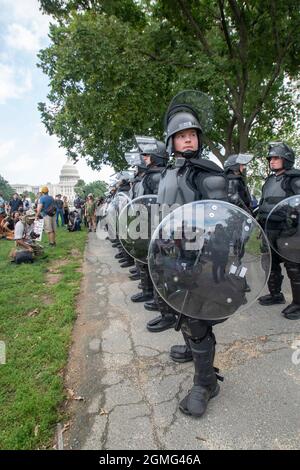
68	178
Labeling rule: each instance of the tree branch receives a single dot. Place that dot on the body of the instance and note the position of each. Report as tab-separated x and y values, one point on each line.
270	83
205	45
164	61
213	148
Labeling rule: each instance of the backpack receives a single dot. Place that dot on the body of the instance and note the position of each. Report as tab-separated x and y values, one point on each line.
24	257
51	211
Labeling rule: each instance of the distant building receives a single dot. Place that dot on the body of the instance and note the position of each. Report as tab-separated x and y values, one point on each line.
68	178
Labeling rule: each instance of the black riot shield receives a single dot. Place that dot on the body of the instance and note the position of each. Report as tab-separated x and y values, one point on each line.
205	259
283	228
137	221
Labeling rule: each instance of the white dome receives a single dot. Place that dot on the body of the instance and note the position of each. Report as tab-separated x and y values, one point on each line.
69	171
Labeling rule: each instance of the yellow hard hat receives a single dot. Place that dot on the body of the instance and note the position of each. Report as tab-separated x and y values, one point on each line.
44	189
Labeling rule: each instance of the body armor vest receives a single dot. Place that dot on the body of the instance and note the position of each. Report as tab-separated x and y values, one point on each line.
272	192
238	192
175	189
192	180
133	193
150	182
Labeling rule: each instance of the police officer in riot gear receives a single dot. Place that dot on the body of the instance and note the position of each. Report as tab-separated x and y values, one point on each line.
283	182
238	192
153	155
123	188
192	178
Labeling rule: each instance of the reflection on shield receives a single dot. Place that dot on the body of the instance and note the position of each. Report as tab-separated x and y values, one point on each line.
283	228
113	211
137	221
205	259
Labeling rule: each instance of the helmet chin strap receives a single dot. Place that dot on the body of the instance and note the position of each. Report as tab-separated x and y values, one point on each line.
188	154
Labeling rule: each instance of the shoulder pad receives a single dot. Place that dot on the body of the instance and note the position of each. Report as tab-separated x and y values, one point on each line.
293	172
206	165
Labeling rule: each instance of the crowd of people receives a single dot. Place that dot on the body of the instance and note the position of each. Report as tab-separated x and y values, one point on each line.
18	216
177	173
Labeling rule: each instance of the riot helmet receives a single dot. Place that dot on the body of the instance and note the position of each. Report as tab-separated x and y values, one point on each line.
234	161
182	118
135	161
282	150
155	149
189	109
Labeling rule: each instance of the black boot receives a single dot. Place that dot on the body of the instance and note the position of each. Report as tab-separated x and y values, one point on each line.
127	264
274	285
162	322
181	353
134	277
270	299
133	270
292	311
151	305
119	255
205	380
142	296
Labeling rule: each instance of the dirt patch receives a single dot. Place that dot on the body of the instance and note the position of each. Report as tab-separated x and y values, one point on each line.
57	264
47	300
240	351
53	278
75	253
53	275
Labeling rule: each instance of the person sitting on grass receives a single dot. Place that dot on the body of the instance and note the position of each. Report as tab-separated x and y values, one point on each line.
7	225
26	247
74	223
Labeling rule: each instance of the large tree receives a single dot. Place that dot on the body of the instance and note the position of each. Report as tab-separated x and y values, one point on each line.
113	70
97	188
5	189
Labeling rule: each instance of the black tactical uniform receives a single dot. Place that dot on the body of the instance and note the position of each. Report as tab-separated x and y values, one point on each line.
278	186
238	192
191	179
124	258
149	185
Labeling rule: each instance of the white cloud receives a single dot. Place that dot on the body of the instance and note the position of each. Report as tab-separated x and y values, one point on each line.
6	148
13	82
27	27
25	12
19	37
39	160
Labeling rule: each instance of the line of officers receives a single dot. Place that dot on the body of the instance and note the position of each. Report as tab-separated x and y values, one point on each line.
192	178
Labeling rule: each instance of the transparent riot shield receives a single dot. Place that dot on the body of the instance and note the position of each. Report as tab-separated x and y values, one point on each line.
109	224
137	221
283	229
196	101
209	259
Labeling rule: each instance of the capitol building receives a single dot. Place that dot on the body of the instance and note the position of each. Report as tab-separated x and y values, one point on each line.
68	178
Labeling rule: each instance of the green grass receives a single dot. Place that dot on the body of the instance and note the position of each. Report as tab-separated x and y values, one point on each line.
31	381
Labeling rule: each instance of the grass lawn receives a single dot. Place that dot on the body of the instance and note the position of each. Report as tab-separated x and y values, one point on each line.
36	320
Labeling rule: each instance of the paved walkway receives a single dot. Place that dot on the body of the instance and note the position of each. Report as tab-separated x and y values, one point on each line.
131	388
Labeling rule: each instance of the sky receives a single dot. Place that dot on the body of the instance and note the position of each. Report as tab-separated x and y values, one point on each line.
28	155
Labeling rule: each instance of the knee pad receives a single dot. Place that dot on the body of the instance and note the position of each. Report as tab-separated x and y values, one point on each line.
195	329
